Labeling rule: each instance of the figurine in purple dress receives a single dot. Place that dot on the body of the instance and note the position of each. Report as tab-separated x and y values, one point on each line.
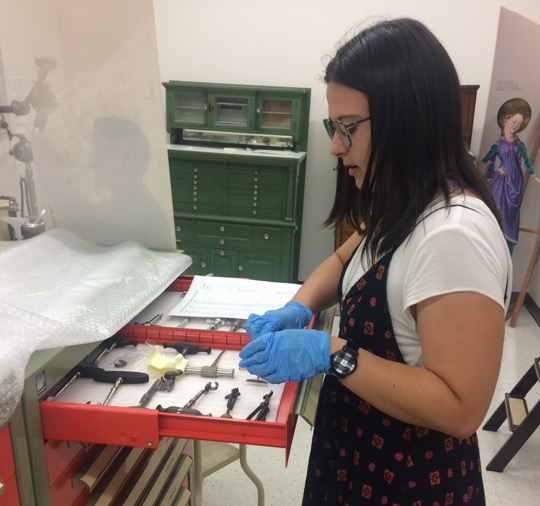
506	179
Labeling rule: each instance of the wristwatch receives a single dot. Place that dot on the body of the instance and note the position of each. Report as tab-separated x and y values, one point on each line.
343	362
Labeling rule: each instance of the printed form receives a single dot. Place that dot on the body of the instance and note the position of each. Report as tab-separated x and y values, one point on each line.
217	297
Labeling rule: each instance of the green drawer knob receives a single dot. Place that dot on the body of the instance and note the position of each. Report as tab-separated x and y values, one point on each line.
222	241
240	268
178	228
266	236
221	228
221	253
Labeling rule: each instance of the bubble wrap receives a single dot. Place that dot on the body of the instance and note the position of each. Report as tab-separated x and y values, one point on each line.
57	290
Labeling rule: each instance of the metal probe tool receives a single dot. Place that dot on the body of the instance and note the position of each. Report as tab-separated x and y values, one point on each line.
188	408
210	371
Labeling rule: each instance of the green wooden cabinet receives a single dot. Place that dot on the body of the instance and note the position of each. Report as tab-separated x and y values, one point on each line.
268	110
237	166
238	214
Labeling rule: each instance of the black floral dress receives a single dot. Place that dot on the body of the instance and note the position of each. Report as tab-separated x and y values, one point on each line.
360	455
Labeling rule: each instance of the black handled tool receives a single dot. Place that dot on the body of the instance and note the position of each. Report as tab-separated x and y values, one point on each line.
186	348
188	408
231	401
103	376
109	345
80	371
119	378
262	409
152	321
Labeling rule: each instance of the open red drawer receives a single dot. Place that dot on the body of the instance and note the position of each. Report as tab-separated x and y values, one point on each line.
66	421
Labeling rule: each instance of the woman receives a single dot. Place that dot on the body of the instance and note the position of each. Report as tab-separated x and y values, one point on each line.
507	179
421	285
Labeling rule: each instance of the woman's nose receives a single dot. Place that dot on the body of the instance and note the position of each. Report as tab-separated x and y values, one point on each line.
336	146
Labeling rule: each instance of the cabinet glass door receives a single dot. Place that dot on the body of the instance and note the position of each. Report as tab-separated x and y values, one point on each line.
190	108
275	113
231	112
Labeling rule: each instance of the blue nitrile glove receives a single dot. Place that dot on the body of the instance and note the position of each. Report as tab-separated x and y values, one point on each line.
287	355
293	315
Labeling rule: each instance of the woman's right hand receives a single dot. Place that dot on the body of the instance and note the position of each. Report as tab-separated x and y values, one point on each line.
294	315
502	171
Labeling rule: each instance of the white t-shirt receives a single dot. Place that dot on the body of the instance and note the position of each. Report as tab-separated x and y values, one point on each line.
459	248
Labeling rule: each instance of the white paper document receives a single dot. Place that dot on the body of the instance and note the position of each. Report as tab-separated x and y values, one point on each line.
216	297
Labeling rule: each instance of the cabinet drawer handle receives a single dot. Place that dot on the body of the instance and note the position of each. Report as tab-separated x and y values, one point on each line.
222	242
240	268
266	236
178	228
221	253
203	264
221	228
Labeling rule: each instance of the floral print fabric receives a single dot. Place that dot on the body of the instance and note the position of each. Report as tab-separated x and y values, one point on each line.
360	455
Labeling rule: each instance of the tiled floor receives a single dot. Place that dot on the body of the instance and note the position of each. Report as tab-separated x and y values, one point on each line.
518	484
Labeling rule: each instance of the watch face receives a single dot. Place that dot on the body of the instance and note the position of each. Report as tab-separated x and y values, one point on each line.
343	362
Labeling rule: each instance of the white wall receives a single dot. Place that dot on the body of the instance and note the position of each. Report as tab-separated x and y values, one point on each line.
285	43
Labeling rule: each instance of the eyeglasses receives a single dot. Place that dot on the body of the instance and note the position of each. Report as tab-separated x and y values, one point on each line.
344	131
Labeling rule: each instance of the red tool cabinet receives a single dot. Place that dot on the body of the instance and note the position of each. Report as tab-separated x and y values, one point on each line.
107	424
9	495
70	433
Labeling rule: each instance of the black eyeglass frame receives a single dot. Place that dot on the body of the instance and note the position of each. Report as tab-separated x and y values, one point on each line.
333	126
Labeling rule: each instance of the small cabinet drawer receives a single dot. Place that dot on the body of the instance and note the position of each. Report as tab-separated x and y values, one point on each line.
224	235
268	238
197	187
185	231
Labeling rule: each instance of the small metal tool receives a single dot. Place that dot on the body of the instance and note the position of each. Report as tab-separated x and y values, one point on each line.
262	409
235	325
183	323
188	408
231	401
257	380
215	323
210	371
152	321
163	384
117	343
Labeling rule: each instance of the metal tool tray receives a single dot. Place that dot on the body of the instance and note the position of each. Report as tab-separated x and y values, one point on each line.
106	424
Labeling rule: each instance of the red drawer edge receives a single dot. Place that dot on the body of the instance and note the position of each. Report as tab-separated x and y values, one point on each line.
87	423
142	427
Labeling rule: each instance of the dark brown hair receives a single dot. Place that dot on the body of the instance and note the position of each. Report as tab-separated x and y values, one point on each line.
416	139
